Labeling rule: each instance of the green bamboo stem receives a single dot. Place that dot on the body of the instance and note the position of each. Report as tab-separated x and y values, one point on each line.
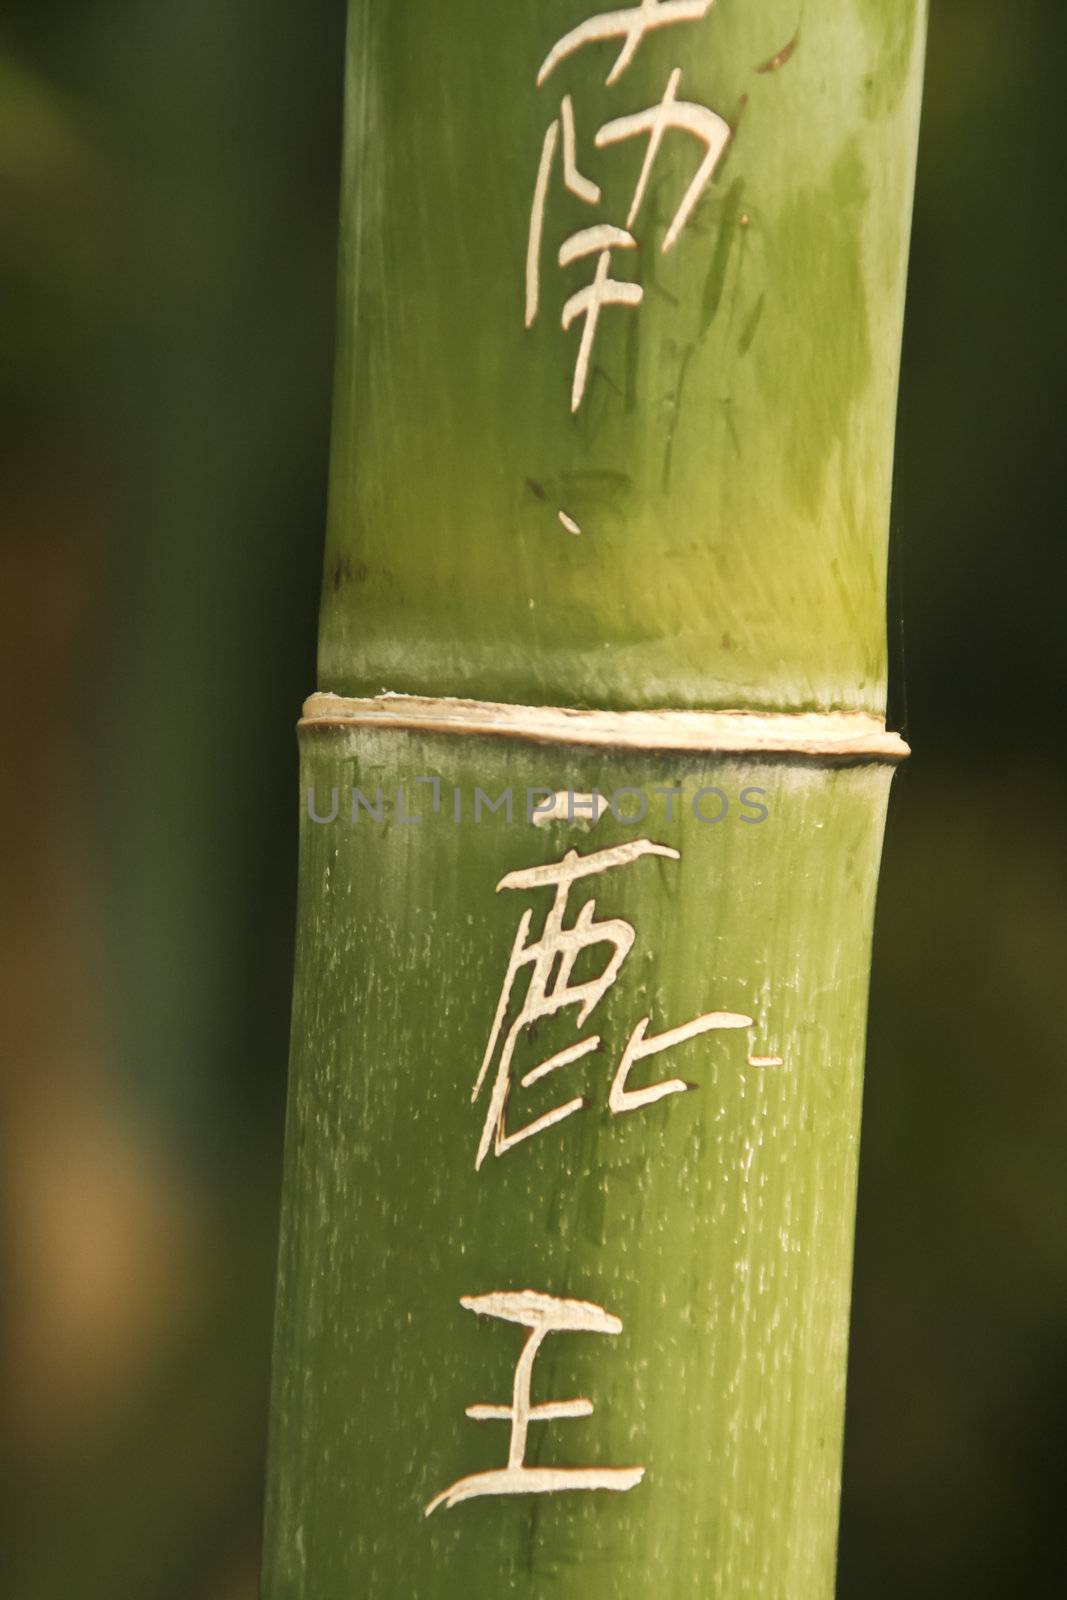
725	459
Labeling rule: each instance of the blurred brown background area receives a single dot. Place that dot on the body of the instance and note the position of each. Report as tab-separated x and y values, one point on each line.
168	197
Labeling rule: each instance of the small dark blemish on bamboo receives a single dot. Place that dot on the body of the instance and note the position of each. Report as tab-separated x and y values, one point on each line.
344	572
748	332
784	55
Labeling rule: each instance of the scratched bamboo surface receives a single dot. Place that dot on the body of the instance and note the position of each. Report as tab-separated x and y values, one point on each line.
727	468
735	441
715	1224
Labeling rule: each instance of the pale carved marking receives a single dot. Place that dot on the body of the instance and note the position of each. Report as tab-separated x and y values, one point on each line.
599	240
542	1314
671	113
538	1480
584	188
578	185
619	855
507	1141
551	1411
562	1058
629	23
550	988
537	222
567	805
531	1309
638	1047
588	241
551	959
587	303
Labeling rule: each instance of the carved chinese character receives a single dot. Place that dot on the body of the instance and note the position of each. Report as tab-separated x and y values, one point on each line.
551	989
630	24
542	1314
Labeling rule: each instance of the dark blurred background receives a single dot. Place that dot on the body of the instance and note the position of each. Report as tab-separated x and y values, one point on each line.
168	196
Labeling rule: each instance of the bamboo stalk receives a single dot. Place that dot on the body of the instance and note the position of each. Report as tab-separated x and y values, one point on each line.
592	800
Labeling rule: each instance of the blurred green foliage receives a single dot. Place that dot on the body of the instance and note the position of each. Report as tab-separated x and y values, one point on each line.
168	184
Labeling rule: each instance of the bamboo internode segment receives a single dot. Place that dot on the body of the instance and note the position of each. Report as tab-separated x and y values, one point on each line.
851	734
618	351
